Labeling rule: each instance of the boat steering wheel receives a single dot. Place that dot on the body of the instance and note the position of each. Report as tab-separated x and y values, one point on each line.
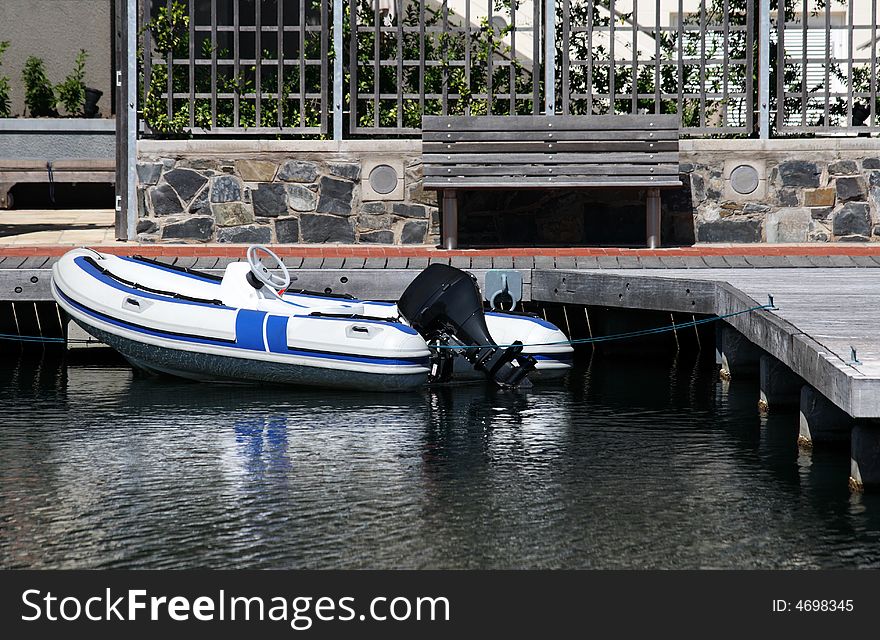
263	274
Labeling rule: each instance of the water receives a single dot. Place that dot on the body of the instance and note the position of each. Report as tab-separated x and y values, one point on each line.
627	464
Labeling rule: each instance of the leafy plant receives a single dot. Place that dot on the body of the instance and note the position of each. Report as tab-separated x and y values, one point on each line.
72	92
39	97
5	107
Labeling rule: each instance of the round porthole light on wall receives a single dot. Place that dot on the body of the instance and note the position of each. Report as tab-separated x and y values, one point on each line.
383	179
744	179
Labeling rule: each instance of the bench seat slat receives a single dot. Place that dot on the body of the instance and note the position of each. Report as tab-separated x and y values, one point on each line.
559	170
584	146
563	182
453	158
525	123
566	136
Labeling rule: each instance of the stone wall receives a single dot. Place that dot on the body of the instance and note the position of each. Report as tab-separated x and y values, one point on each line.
735	191
808	190
282	192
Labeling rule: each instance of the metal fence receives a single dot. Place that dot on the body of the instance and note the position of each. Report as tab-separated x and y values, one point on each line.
727	67
235	66
656	56
828	60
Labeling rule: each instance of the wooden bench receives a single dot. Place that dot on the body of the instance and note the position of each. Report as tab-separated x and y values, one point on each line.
13	172
549	152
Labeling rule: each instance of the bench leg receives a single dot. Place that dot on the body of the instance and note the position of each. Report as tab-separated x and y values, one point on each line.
449	224
653	219
5	198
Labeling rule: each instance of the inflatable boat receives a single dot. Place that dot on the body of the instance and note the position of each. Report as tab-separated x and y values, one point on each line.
248	325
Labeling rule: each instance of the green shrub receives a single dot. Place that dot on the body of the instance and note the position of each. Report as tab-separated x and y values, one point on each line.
5	107
72	92
39	97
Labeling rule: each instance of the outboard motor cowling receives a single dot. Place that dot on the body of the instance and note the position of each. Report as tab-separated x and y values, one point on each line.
444	305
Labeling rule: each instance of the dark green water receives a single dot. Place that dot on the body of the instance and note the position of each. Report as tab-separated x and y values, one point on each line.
626	464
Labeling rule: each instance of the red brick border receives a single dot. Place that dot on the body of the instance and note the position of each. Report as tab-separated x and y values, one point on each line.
360	251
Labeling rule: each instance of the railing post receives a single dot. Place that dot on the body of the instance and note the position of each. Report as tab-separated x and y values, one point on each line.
126	123
337	67
550	57
764	69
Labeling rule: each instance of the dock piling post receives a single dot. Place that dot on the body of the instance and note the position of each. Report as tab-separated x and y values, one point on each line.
780	386
739	357
865	456
821	421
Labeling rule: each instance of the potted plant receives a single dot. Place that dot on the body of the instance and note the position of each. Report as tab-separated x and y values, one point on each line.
39	96
72	92
5	106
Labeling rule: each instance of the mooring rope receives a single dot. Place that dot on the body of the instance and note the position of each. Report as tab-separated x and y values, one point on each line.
18	338
619	336
608	338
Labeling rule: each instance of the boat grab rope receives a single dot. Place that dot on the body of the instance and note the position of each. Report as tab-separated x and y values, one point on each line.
617	336
18	338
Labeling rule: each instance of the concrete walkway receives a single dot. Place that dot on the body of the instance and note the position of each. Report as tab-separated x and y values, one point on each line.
59	227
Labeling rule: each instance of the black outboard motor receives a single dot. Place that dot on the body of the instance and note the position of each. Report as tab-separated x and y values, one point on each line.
444	305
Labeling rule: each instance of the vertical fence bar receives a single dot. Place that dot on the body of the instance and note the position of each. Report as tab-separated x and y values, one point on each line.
536	56
399	4
635	57
780	67
566	57
303	36
657	37
352	65
192	63
590	70
850	55
377	68
513	55
444	101
703	32
804	100
680	59
325	21
751	20
490	72
337	66
258	60
280	83
236	66
145	6
725	70
467	52
764	69
169	62
550	57
213	63
422	58
612	76
828	63
873	76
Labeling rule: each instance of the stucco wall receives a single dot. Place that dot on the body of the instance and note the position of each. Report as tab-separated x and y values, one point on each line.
56	30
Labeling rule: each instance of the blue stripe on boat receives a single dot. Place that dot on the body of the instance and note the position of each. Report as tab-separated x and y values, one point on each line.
93	271
421	361
249	329
276	334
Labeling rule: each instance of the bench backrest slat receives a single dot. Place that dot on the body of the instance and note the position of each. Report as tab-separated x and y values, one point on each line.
571	151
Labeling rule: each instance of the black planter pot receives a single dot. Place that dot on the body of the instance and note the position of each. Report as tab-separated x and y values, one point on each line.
90	109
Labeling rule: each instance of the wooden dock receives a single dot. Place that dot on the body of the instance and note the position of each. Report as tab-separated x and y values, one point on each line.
826	301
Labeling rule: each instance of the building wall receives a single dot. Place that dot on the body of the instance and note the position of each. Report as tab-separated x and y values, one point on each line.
55	30
807	190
